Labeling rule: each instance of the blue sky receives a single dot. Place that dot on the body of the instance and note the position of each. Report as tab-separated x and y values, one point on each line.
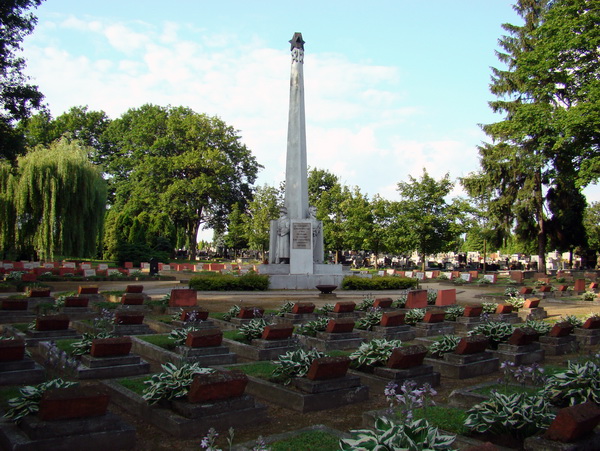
391	87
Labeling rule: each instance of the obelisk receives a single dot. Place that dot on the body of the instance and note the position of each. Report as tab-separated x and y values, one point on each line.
296	179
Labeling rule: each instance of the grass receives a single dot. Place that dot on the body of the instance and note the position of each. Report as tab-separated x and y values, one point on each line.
449	419
162	341
235	336
136	385
168	319
261	370
310	440
6	394
217	315
66	344
21	327
509	389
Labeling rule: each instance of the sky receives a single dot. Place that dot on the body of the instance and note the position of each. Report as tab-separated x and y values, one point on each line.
391	86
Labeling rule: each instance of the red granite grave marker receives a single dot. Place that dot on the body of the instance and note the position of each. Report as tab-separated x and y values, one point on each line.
132	299
251	312
434	316
12	350
110	347
204	338
129	318
531	303
392	319
561	329
504	308
134	289
52	322
39	293
579	285
344	307
14	304
592	323
416	299
342	325
407	357
446	297
473	310
562	288
90	289
277	332
526	290
217	386
523	336
303	308
183	298
197	314
574	422
472	345
325	368
72	402
383	303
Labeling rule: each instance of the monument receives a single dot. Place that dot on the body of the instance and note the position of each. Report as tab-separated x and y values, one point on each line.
296	240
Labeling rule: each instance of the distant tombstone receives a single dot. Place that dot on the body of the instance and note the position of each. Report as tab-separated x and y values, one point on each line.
102	267
89	273
128	265
166	268
381	273
490	277
420	275
153	266
85	266
429	274
27	265
70	265
112	271
408	274
466	277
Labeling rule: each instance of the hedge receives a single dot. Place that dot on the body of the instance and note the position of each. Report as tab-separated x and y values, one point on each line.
378	283
230	282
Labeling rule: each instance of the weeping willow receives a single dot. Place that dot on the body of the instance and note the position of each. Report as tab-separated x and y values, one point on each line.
7	208
60	201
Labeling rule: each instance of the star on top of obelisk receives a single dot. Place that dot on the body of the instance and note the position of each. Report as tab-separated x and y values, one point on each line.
297	42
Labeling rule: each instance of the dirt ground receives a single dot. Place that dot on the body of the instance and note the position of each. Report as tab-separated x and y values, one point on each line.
280	419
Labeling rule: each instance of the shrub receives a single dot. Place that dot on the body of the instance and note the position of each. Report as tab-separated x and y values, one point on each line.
401	301
415	315
326	308
253	328
411	435
520	415
178	336
572	320
228	282
483	281
310	328
579	383
374	353
431	297
459	281
28	402
294	364
442	276
454	312
370	320
497	332
447	343
173	382
84	346
285	308
377	283
511	291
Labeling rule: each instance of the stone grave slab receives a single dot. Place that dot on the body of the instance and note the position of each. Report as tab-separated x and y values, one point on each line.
522	348
461	366
184	419
15	367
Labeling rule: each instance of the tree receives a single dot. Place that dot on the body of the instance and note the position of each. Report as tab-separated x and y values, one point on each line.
263	208
17	97
592	225
530	166
172	160
236	231
59	201
430	224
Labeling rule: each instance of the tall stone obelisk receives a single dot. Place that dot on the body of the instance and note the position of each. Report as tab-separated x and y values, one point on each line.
296	178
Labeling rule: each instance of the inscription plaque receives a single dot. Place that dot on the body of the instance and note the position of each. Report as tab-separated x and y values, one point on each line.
301	235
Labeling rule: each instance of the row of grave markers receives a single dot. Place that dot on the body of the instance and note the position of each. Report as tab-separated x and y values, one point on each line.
426	275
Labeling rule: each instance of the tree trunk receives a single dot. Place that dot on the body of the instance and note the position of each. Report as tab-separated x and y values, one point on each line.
541	220
193	238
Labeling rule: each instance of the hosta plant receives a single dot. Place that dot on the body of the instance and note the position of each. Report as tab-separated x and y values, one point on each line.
310	328
84	345
579	383
411	435
489	307
253	328
374	353
365	304
401	301
572	320
178	336
541	327
589	296
496	331
29	398
511	291
415	315
286	307
232	312
325	308
294	364
520	415
447	343
516	301
454	312
370	320
173	382
431	297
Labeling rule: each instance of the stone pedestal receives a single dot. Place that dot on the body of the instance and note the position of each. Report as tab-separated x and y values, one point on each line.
520	355
536	313
33	337
455	366
327	341
262	349
422	374
207	356
200	325
296	318
131	329
423	329
464	324
97	433
587	337
21	372
559	345
511	318
404	333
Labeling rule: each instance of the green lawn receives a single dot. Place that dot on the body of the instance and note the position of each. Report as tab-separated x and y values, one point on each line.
310	440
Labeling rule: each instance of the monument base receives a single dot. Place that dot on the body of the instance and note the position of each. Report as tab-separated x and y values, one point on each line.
281	279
